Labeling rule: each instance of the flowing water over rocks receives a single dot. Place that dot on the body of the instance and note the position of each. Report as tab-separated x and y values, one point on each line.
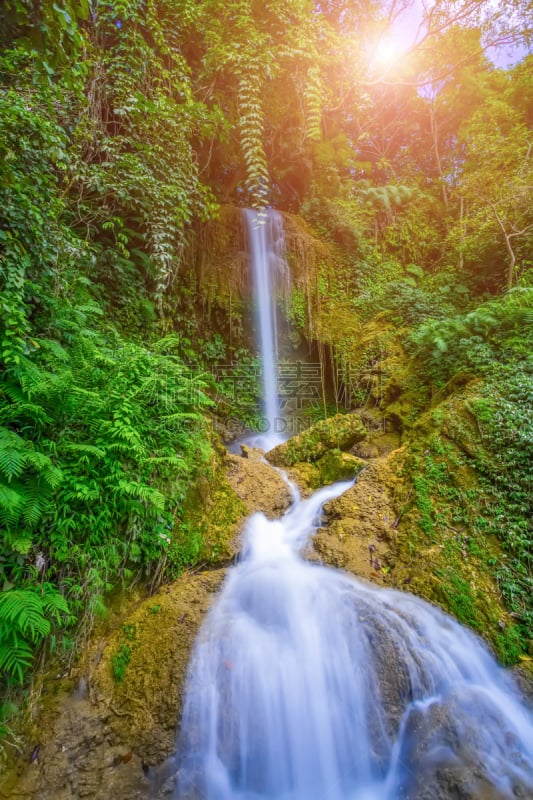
307	684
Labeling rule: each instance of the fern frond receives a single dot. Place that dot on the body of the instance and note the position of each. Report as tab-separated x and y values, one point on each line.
15	658
143	492
39	461
54	603
53	476
23	610
34	504
12	456
313	100
87	449
25	411
55	348
11	500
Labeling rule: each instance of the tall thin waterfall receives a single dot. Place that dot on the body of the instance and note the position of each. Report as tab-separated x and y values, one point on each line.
307	684
265	234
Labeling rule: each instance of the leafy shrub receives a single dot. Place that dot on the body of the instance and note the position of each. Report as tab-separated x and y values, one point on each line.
478	340
505	417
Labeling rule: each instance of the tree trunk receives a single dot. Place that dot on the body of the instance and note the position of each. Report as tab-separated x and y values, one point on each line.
435	136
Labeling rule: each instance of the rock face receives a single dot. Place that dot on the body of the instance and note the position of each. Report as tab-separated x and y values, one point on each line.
360	525
260	487
333	466
442	749
339	432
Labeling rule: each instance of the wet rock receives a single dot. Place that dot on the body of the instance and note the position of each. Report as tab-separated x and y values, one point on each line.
459	748
364	516
334	466
339	432
253	453
523	675
306	476
338	466
377	445
365	450
257	484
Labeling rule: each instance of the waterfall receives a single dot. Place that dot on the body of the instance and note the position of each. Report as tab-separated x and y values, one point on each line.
308	684
265	234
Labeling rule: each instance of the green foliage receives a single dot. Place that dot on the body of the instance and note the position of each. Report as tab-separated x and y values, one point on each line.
26	620
313	98
505	415
251	130
100	437
498	329
105	439
120	661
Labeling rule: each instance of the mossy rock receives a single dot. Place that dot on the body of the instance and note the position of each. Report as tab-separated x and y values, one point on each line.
306	476
333	466
338	466
336	433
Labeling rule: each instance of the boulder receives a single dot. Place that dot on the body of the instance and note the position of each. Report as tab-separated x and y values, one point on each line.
257	485
459	748
339	432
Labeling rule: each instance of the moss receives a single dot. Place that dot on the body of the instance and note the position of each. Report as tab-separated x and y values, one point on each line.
210	519
338	466
445	551
306	475
339	432
457	595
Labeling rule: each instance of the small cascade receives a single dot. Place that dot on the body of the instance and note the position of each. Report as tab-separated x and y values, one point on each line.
265	234
307	684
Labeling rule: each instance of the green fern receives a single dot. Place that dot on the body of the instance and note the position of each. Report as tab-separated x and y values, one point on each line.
21	611
12	457
11	501
25	621
16	657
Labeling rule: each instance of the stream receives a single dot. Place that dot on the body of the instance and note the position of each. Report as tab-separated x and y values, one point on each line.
308	684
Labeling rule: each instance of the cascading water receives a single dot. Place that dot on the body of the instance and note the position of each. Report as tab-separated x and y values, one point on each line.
265	234
307	684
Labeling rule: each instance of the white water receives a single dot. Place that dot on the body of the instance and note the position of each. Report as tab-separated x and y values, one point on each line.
307	684
265	234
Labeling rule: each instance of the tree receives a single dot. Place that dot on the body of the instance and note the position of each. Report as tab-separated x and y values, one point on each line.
497	177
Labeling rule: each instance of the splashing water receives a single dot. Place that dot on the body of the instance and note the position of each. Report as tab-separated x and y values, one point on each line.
307	684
